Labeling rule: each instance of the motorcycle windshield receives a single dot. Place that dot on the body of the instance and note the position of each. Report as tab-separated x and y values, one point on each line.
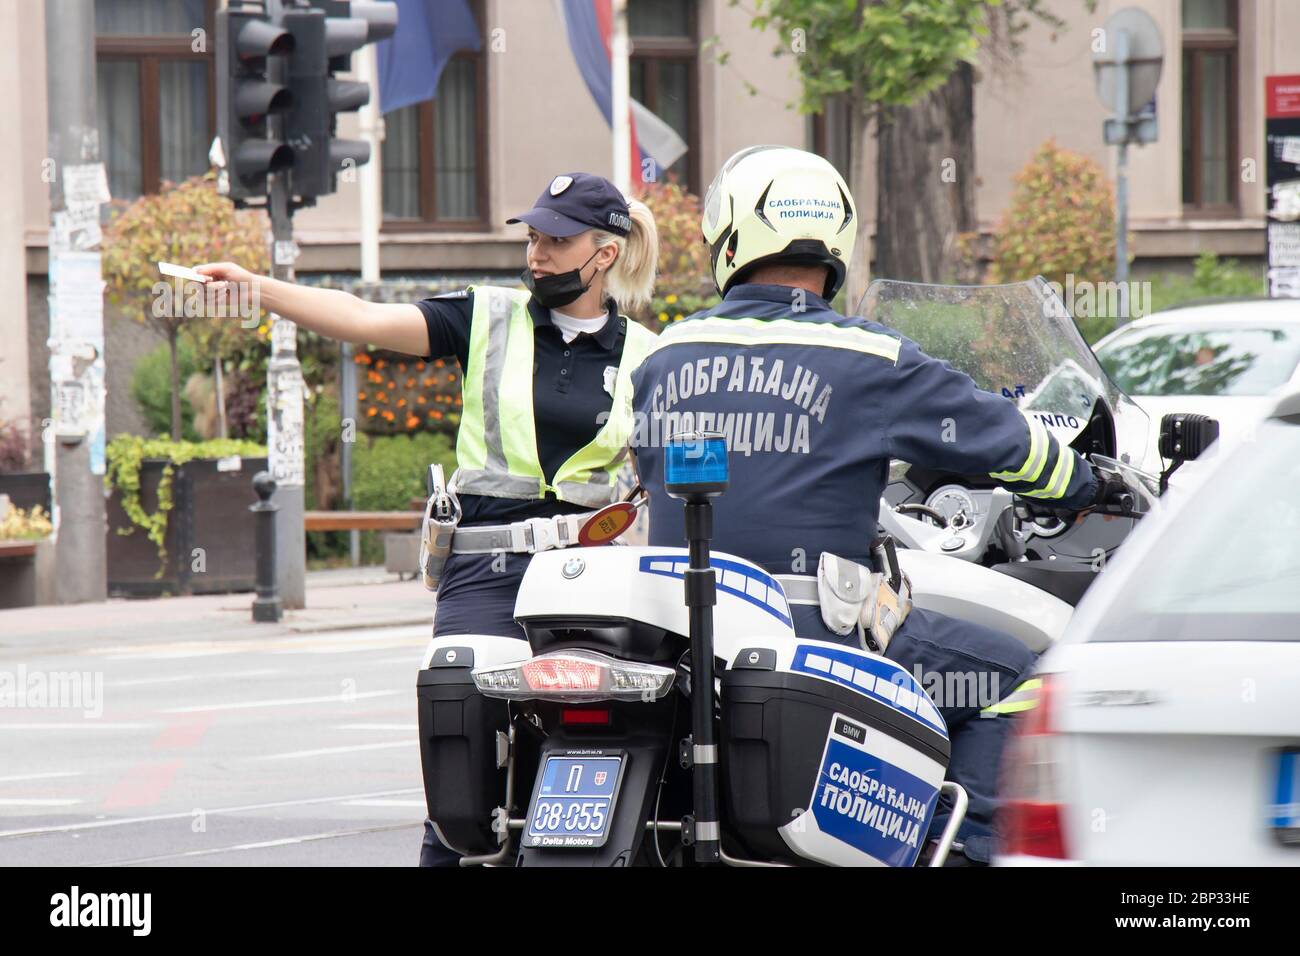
1015	340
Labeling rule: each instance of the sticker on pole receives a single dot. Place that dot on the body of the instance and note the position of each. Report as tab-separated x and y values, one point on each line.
607	524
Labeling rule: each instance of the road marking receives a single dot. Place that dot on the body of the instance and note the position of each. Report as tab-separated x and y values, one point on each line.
154	680
417	804
142	786
411	726
284	702
187	677
85	725
42	776
376	638
189	814
286	841
37	802
325	751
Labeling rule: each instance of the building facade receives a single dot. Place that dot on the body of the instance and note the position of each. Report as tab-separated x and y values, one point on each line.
513	114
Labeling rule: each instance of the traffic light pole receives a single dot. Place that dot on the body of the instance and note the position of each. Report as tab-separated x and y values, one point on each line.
284	387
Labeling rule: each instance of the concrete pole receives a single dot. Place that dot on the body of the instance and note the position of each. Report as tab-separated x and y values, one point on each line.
76	303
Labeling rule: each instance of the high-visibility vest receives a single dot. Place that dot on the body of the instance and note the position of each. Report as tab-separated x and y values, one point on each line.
496	447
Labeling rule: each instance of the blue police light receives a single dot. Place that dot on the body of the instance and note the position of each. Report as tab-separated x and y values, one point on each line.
695	464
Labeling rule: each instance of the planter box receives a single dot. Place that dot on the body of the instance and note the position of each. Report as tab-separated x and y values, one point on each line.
26	573
26	489
210	498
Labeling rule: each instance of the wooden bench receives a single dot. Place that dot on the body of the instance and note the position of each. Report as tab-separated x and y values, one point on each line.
362	520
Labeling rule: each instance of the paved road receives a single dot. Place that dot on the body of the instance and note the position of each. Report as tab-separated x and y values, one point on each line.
296	750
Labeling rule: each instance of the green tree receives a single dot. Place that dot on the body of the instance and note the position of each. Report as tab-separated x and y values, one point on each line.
185	223
907	66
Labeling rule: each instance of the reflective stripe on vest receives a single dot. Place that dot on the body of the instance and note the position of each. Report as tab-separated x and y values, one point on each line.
496	446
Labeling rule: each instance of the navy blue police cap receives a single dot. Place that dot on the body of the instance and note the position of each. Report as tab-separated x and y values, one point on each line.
576	202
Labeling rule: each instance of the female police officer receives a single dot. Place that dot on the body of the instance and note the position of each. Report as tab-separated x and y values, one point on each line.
590	251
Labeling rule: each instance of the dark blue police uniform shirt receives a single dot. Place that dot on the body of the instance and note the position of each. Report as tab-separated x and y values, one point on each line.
568	393
811	430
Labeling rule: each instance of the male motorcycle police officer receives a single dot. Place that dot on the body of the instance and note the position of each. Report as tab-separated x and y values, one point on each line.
814	405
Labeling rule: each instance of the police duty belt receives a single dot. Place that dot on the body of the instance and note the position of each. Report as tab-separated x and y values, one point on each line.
521	537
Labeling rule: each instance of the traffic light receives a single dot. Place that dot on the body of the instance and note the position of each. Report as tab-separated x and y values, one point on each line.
324	39
246	97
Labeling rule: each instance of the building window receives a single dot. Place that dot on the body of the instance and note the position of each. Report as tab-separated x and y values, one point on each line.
1209	106
433	154
663	73
830	133
155	100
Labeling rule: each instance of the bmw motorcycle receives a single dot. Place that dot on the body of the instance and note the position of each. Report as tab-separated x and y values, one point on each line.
661	710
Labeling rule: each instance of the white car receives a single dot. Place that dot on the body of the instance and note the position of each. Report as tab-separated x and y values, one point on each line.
1228	360
1168	727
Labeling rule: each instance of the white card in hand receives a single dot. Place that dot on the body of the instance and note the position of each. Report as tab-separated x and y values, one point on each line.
181	272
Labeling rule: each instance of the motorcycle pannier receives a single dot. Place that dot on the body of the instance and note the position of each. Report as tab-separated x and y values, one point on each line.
458	751
836	757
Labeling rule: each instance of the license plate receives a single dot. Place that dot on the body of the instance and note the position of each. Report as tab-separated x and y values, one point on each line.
573	802
1285	811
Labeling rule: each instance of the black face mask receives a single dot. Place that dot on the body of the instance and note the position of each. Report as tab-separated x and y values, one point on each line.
556	291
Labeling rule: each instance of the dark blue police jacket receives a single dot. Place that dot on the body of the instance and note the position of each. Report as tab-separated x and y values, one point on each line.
814	404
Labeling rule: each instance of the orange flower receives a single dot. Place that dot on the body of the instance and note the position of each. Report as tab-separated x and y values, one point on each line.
392	384
380	364
437	363
426	382
371	412
401	403
412	422
419	366
361	396
419	399
381	396
401	366
436	414
388	416
410	382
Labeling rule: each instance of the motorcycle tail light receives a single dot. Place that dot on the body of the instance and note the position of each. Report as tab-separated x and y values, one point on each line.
574	676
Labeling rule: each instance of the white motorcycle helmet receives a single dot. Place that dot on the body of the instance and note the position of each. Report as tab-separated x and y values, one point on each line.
776	203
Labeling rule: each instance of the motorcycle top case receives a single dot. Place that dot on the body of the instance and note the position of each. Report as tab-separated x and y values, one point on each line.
829	754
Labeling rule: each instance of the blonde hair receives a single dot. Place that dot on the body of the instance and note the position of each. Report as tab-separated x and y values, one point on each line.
631	279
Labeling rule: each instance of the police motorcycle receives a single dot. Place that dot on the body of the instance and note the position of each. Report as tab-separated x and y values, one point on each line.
662	712
969	548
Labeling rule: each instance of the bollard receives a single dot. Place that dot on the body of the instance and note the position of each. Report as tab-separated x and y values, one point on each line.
267	606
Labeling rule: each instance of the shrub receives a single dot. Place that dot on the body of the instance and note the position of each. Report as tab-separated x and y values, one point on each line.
1061	221
30	525
1211	278
186	223
151	388
685	283
389	470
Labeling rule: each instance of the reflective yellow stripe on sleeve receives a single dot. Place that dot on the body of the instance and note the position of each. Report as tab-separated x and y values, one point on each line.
1024	697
